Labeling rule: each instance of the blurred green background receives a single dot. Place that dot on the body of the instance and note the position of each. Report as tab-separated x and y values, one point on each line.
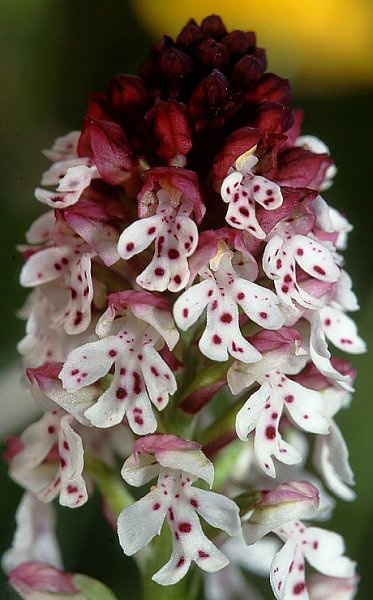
53	54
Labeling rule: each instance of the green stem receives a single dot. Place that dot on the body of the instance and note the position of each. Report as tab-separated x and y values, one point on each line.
110	484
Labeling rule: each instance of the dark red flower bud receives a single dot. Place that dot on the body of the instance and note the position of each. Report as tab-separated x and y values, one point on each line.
274	117
169	128
267	152
109	147
239	42
128	94
213	26
247	71
211	54
189	36
298	167
176	66
271	88
209	98
238	142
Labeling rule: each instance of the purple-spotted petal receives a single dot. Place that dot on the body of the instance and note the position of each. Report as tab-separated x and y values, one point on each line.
141	521
341	330
287	575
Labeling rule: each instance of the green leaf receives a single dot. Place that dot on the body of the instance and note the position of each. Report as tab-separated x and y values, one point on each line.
93	589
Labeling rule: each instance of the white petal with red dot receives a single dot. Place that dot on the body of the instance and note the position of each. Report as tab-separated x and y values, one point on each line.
305	407
45	265
73	489
287	573
217	510
58	170
324	551
266	193
88	363
259	304
64	146
138	236
341	330
314	258
247	416
191	304
141	521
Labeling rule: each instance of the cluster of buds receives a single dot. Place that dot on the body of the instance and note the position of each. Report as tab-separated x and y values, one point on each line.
185	285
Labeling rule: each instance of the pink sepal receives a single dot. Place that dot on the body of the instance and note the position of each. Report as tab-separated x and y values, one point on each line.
292	198
41	577
119	300
282	339
239	142
109	147
292	491
298	167
157	444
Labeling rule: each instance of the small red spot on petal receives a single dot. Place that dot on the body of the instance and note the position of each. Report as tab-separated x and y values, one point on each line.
289	399
112	353
51	429
130	246
185	527
216	339
173	254
298	588
270	432
156	506
226	318
319	270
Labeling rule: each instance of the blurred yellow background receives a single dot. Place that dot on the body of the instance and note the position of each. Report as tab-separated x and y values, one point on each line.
318	42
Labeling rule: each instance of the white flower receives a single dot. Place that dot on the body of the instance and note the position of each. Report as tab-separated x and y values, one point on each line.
223	293
130	342
35	538
176	238
50	462
178	463
242	188
70	173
